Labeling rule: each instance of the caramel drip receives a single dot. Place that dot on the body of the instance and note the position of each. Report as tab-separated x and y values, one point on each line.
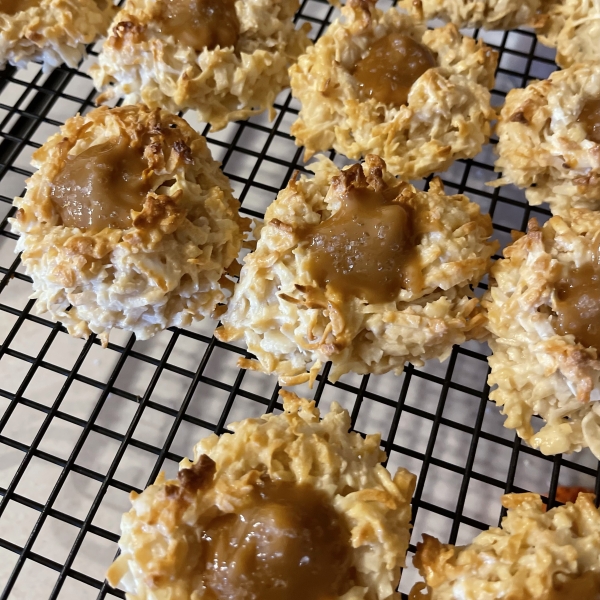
99	187
366	249
590	118
391	67
289	544
12	7
578	305
584	587
201	23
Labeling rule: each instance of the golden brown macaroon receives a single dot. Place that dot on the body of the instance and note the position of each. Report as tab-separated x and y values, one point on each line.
288	507
489	14
226	59
128	223
50	31
573	28
570	493
544	315
535	555
377	82
360	269
549	138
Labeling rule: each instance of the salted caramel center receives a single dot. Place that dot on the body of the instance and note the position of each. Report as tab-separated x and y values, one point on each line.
99	187
12	7
289	544
578	305
584	587
366	249
392	65
201	23
590	118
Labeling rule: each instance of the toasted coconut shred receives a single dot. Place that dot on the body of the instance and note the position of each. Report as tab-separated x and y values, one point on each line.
52	31
543	143
293	325
489	14
535	555
161	552
448	112
141	63
537	370
168	267
572	27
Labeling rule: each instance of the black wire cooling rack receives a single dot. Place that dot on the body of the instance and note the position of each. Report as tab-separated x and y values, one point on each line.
81	427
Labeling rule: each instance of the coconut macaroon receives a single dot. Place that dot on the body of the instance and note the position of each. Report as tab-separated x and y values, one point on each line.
535	555
288	507
50	31
549	137
489	14
544	315
226	59
360	269
379	83
572	27
128	223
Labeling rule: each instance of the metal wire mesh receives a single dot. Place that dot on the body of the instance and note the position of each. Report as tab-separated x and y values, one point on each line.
81	426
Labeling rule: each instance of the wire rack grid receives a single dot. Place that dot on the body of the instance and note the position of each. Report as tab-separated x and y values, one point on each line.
80	427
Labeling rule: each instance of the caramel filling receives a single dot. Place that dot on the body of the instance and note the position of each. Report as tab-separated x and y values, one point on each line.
12	7
392	65
590	118
578	305
584	587
366	249
290	544
99	187
201	23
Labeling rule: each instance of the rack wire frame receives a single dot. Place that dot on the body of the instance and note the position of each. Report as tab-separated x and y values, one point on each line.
426	396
